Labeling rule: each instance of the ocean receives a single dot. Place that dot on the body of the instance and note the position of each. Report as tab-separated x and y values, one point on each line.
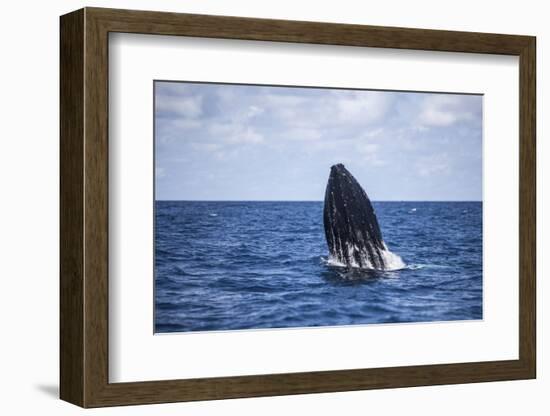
249	265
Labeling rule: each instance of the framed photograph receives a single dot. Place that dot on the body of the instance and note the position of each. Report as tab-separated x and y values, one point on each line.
255	207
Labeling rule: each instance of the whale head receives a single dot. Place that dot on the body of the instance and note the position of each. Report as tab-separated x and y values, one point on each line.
351	227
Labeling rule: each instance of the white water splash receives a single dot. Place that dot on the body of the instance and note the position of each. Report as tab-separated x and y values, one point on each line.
391	260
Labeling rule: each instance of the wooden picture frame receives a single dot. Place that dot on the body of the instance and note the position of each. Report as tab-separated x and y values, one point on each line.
84	207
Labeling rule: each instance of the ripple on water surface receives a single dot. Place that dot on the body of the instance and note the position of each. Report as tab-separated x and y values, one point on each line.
243	265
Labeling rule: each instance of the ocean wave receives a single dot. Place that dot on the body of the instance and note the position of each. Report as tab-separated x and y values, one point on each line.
267	265
415	266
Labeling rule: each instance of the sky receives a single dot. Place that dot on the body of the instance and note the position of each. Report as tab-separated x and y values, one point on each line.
248	142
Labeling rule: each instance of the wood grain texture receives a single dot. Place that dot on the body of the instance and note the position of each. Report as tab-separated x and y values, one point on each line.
528	208
226	27
96	220
71	208
84	207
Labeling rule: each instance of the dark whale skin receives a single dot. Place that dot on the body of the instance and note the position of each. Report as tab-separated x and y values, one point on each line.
351	227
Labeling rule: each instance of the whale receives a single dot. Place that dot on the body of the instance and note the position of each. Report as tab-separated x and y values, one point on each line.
352	230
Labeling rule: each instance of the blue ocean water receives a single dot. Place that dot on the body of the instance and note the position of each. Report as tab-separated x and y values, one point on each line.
244	265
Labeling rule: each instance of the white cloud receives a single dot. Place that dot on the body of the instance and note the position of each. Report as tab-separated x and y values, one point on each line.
254	111
367	148
436	117
363	107
292	111
311	129
439	164
303	134
246	135
440	110
234	133
283	100
177	129
185	124
326	145
330	109
183	106
209	147
370	152
373	134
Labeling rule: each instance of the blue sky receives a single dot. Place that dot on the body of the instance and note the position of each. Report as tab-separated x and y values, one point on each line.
244	142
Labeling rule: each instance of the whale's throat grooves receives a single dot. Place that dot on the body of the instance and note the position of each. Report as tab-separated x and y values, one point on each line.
351	227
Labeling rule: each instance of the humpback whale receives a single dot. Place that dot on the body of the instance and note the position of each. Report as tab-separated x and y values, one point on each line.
351	228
